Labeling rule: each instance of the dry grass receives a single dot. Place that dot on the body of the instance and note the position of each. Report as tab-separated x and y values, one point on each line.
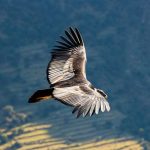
55	133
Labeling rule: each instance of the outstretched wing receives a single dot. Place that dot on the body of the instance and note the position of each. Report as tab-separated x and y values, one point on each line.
84	99
68	59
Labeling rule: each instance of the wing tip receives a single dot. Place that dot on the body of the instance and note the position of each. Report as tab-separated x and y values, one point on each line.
93	109
72	39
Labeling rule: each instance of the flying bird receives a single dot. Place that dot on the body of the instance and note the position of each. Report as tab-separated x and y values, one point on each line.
66	74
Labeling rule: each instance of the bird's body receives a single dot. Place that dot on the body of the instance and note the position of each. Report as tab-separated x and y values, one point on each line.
67	77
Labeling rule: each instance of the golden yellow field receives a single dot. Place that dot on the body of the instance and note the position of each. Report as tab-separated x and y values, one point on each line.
55	132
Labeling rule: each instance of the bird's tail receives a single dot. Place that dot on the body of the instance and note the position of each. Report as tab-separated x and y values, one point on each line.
41	95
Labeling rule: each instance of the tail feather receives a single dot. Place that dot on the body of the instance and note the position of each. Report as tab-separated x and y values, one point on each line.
41	95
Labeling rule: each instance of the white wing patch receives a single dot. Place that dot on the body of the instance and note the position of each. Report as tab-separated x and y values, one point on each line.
82	102
60	70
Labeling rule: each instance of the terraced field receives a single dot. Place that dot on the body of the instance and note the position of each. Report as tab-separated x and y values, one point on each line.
57	133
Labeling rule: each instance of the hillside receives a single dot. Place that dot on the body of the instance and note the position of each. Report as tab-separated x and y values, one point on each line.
60	130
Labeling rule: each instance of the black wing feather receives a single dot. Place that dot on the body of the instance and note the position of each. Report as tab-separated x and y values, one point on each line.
64	55
64	44
79	36
61	47
71	38
74	36
67	41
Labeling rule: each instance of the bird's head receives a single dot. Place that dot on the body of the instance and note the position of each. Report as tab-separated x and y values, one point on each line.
102	93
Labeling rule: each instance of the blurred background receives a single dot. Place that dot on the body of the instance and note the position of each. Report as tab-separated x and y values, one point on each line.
117	39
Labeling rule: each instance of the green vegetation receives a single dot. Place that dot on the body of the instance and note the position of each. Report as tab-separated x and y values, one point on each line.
3	138
15	146
11	118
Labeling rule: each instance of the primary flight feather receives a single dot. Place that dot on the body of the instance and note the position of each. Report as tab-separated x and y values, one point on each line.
67	77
